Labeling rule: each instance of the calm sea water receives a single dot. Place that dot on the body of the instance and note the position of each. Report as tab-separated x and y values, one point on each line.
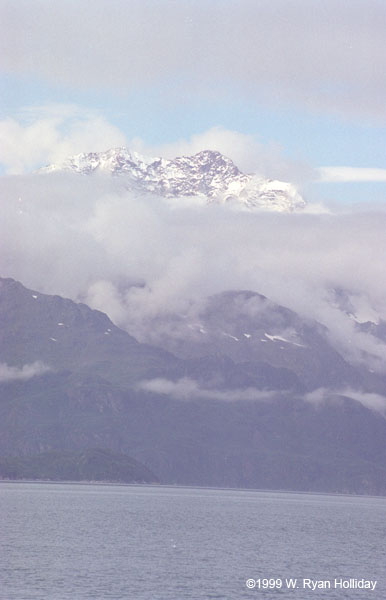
62	541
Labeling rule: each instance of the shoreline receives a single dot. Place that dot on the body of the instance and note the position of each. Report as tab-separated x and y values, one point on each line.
188	487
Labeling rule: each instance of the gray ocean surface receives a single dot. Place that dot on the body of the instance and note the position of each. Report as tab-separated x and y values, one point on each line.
62	541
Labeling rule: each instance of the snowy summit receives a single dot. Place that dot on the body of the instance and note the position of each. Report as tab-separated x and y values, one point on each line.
207	174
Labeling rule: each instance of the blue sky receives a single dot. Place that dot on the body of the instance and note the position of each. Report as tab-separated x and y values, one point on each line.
288	87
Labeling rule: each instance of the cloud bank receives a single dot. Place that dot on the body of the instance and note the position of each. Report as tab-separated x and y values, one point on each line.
322	56
138	258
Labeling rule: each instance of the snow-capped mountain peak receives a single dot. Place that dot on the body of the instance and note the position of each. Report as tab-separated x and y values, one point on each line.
207	174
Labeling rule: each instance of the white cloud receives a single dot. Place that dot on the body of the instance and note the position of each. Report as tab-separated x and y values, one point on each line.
50	134
372	401
351	174
9	373
186	388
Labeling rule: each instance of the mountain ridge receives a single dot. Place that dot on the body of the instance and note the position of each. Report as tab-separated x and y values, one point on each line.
208	175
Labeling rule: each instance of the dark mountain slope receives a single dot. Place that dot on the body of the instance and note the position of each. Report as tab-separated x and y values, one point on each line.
66	335
213	423
89	465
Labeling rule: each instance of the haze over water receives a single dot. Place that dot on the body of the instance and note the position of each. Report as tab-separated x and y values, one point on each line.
62	541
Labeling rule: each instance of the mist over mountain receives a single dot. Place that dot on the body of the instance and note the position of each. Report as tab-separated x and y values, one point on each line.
145	255
218	414
203	322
